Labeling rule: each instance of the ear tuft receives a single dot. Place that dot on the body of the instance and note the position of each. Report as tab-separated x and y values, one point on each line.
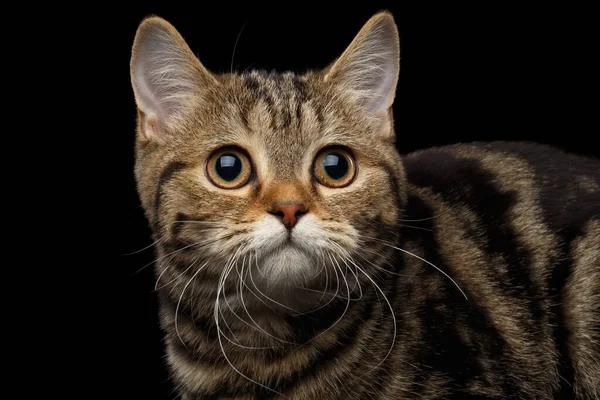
165	74
368	69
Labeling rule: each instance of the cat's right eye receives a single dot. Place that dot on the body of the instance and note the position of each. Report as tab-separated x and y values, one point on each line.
229	168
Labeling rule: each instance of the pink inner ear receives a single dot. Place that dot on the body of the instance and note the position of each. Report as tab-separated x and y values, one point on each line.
149	126
164	81
147	99
381	113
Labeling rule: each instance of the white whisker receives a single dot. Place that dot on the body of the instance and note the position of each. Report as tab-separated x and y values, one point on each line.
166	255
242	283
221	283
416	227
424	219
235	45
238	344
333	296
356	281
202	245
147	247
214	223
343	313
263	294
422	259
378	267
256	287
179	302
393	318
228	268
344	254
174	279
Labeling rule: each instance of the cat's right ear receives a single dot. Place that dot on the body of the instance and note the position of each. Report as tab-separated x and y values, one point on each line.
167	78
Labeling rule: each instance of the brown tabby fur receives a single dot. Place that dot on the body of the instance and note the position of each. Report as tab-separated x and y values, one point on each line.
516	225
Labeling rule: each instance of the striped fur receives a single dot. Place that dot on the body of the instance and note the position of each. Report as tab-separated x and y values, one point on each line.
374	313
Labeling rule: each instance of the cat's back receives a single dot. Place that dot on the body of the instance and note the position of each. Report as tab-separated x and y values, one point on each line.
563	188
527	217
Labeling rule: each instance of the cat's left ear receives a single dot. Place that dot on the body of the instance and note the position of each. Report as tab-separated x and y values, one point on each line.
368	69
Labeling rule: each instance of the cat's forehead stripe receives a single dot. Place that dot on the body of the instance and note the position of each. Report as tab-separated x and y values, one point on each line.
284	95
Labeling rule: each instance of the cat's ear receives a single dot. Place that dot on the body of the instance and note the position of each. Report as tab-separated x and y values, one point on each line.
368	69
166	77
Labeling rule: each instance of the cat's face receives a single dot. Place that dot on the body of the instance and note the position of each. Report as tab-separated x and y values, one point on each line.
287	176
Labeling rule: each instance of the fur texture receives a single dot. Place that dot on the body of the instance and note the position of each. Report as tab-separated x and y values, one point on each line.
464	272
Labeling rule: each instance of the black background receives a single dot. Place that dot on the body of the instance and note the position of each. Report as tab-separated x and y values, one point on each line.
485	72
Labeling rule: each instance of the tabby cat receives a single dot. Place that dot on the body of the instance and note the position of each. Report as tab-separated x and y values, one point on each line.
299	256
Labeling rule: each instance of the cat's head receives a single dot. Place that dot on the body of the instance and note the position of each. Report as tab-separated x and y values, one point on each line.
294	175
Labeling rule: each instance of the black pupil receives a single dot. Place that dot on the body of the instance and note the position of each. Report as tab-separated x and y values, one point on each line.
229	167
335	165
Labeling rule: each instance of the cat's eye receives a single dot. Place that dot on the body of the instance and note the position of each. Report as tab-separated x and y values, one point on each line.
229	168
334	167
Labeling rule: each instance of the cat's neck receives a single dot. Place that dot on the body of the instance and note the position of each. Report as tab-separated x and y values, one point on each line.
278	321
264	335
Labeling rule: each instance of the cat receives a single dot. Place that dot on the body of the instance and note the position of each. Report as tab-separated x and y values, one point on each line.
300	256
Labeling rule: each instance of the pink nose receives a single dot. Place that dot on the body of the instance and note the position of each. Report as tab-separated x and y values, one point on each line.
288	212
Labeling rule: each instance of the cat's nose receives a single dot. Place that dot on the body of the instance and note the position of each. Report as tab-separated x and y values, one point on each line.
288	212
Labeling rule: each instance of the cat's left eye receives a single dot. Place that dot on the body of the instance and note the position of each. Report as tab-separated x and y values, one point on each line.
229	168
334	167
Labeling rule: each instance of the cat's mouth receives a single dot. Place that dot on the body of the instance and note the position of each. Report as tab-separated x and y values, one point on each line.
289	255
289	239
286	246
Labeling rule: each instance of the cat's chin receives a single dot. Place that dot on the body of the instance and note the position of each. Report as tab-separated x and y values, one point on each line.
284	274
288	264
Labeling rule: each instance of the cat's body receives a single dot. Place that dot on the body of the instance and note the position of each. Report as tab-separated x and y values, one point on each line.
465	272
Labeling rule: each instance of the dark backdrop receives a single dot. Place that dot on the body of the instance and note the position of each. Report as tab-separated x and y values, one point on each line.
485	72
